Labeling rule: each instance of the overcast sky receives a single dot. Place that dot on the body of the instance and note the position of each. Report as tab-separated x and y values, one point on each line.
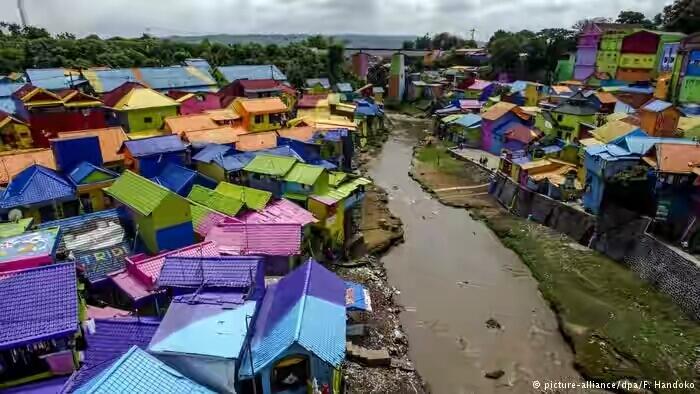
189	17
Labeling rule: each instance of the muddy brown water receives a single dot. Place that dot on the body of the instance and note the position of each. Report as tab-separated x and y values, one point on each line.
454	275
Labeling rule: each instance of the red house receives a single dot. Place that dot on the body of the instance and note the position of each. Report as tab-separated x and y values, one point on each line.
195	102
641	42
49	113
250	89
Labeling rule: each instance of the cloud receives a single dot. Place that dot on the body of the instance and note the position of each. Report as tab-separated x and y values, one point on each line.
186	17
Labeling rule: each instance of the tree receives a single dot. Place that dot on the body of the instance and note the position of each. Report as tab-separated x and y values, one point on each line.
682	16
423	42
582	23
634	18
408	45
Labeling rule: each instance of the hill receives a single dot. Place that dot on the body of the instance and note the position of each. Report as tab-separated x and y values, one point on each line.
350	40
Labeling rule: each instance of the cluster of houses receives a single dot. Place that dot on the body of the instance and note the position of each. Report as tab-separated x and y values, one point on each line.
161	234
624	140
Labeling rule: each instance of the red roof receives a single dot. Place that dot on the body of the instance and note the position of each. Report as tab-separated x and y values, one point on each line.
520	133
111	98
259	84
311	100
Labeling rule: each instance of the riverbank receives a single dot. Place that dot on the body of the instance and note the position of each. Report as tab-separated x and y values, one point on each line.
619	327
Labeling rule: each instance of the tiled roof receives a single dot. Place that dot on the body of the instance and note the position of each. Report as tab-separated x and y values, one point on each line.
88	232
225	271
111	140
36	184
204	218
97	263
213	325
301	133
175	178
137	192
497	111
306	307
280	211
28	314
139	372
219	202
283	150
193	122
270	165
259	85
155	145
269	239
521	133
232	73
211	152
256	141
306	174
220	135
111	339
265	105
253	198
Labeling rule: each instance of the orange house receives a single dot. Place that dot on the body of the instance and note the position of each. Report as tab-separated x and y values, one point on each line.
261	114
659	118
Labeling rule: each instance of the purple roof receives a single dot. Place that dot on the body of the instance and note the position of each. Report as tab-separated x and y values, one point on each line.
479	84
111	339
310	279
225	271
38	304
154	145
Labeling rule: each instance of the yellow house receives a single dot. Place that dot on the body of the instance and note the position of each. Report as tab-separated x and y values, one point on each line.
89	180
14	134
261	114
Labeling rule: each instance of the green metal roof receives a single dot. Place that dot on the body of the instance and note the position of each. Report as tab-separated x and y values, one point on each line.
137	192
270	165
10	229
212	199
346	189
306	174
253	198
336	177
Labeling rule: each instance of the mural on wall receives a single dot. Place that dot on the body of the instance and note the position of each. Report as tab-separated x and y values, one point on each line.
34	244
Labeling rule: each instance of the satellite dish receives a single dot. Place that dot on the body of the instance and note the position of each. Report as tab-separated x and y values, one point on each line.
15	215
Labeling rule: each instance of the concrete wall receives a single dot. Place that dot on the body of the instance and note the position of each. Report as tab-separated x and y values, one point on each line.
618	234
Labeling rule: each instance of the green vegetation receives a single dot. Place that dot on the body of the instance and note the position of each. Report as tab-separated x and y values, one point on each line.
436	156
33	47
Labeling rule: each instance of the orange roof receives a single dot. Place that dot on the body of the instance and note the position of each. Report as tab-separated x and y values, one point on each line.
256	141
606	97
302	133
219	135
265	105
12	163
559	89
220	115
677	158
111	140
185	123
498	110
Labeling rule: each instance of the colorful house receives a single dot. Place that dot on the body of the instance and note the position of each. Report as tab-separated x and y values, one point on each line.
479	90
465	129
149	156
608	55
14	133
111	338
153	376
195	103
202	129
565	120
161	79
638	56
111	140
249	88
286	339
220	163
49	113
659	118
212	199
252	72
267	172
687	72
252	198
254	142
518	137
492	120
38	332
253	239
303	180
586	51
162	218
317	86
89	181
139	109
264	114
40	193
28	250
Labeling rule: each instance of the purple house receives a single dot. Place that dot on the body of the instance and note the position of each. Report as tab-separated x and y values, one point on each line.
493	123
587	49
37	332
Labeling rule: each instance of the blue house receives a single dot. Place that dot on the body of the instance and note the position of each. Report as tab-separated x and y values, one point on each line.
299	333
602	162
253	72
40	193
149	156
180	180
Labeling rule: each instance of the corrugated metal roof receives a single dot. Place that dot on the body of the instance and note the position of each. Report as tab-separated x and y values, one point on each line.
301	133
139	372
265	105
137	192
111	140
204	218
640	145
497	111
35	185
268	239
268	71
54	78
211	152
656	106
217	201
143	98
468	120
253	198
232	272
677	158
154	145
270	165
28	315
341	192
612	130
176	178
344	87
193	122
220	135
306	174
256	141
323	82
97	263
280	211
159	78
89	231
85	169
234	162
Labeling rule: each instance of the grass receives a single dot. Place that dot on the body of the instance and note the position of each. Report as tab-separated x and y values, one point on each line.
437	157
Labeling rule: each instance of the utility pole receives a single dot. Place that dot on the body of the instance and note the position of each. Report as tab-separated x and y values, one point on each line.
473	32
22	13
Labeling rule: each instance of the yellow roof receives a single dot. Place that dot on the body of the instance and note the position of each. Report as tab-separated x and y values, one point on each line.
185	97
332	122
590	142
137	135
686	124
180	124
616	116
265	105
535	164
144	98
531	110
612	130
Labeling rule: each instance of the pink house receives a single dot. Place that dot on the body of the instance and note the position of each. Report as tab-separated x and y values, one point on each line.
195	103
587	49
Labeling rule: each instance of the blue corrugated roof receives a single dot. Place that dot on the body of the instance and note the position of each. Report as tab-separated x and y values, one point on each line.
365	108
8	89
158	78
518	86
210	152
640	145
267	71
284	150
176	178
656	105
36	184
154	145
324	82
344	87
52	78
234	162
468	120
139	372
84	169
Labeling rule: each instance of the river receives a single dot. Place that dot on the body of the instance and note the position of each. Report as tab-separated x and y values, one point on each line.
453	275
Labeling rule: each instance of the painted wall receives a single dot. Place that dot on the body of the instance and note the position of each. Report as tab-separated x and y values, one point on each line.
660	124
146	119
264	182
488	128
690	90
319	369
46	124
638	60
15	136
200	103
212	170
151	166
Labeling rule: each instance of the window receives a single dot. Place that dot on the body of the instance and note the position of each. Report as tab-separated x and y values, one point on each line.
148	119
560	118
258	118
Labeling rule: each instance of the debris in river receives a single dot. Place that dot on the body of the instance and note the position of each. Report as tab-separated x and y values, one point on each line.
493	324
497	374
462	283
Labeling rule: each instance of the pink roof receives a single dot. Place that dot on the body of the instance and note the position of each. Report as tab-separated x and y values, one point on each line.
270	239
280	211
479	84
210	220
95	312
470	104
147	270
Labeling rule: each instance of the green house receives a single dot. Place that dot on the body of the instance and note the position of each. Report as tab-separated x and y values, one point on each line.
214	200
141	109
162	219
266	172
564	121
303	180
252	198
